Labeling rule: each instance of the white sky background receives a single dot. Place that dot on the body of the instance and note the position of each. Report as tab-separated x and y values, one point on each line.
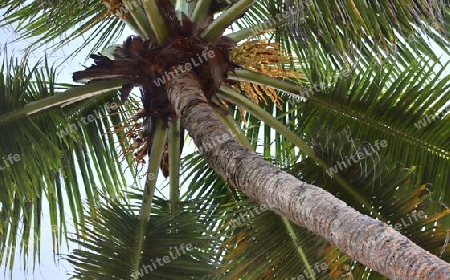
48	269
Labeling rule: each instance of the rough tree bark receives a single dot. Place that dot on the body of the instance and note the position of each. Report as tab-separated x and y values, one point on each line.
369	241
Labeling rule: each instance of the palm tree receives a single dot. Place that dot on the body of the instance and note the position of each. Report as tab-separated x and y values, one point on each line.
339	92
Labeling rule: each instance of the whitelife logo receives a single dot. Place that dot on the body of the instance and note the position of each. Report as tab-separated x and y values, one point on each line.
358	156
86	120
429	119
12	159
165	259
318	268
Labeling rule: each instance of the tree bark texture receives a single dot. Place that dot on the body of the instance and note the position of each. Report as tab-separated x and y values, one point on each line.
369	241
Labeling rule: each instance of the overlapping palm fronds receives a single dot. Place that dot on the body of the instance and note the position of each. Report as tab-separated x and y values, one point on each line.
54	152
367	74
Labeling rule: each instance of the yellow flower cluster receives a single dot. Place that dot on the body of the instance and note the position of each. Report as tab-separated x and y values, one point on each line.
265	58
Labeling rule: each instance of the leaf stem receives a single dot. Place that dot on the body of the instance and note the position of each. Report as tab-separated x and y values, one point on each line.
158	143
200	11
218	26
233	127
71	95
261	79
139	17
298	246
254	30
174	163
156	20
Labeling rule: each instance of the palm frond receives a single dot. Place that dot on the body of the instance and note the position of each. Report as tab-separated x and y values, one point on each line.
359	29
359	100
412	95
50	153
176	245
413	208
68	20
250	250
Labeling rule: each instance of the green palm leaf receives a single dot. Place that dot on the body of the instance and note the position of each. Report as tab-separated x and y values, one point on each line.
54	150
412	95
69	20
359	28
391	80
251	232
177	244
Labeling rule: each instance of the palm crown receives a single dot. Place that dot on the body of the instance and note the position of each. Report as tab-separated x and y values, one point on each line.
337	92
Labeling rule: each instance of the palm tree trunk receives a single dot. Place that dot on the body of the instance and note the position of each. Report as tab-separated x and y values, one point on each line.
371	242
